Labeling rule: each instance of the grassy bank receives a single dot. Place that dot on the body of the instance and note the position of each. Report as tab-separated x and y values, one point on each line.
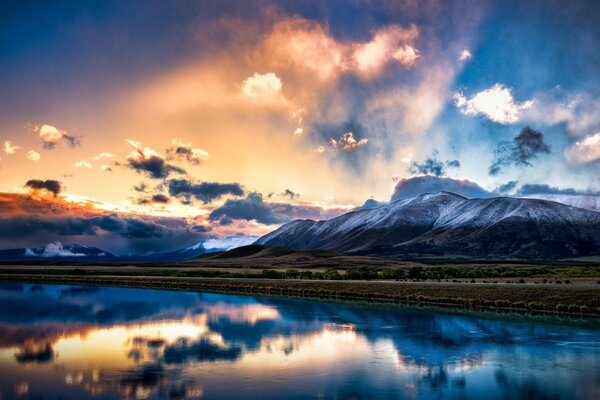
559	299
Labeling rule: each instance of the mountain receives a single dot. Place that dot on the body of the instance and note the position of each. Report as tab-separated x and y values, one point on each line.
210	245
589	202
449	225
54	251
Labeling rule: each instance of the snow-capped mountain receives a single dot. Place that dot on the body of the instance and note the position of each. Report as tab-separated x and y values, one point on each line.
588	202
212	245
448	224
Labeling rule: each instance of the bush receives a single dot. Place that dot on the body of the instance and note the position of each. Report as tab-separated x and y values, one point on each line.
331	275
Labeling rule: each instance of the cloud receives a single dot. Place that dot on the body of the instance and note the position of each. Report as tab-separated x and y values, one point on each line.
103	155
507	187
496	103
82	164
106	168
205	191
579	111
536	188
465	55
525	147
291	194
28	221
154	199
9	148
151	163
33	155
432	166
51	136
265	87
411	187
347	143
251	208
56	249
184	152
585	150
51	185
310	46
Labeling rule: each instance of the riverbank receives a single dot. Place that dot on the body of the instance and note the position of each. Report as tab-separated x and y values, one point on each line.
549	299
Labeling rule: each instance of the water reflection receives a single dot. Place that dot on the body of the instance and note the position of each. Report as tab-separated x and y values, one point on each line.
78	342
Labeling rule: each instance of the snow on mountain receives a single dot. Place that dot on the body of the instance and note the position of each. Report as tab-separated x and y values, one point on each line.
446	223
56	250
223	244
588	202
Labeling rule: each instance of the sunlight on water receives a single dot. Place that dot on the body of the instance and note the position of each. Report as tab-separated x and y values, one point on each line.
74	342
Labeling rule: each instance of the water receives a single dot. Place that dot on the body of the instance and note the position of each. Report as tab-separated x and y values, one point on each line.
64	342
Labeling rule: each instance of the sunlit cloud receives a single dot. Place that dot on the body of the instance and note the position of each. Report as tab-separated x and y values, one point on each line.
496	103
104	155
183	151
82	164
51	136
266	87
310	46
585	150
347	143
148	161
33	155
465	55
9	148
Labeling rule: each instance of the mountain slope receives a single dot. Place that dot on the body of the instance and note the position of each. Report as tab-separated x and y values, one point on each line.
448	224
54	251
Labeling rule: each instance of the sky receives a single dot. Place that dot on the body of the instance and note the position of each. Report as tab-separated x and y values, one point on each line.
145	126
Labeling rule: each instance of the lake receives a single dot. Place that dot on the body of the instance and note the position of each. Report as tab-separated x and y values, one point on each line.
69	342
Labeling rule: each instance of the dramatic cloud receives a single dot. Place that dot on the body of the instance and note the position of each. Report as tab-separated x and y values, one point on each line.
251	208
262	86
9	148
33	155
585	150
184	152
151	163
51	136
347	143
496	103
51	185
432	166
205	191
507	187
310	46
525	147
411	187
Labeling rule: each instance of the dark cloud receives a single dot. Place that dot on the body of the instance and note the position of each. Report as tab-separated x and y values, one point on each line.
507	187
291	194
411	187
250	208
205	191
184	152
529	189
520	152
154	199
153	165
202	351
141	188
50	185
432	166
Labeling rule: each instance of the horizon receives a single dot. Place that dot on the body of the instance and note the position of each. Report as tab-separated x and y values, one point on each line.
143	130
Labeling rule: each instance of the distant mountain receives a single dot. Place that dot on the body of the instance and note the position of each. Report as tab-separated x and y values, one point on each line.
210	245
54	251
446	224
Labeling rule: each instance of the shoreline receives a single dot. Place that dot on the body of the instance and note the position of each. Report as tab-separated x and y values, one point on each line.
554	300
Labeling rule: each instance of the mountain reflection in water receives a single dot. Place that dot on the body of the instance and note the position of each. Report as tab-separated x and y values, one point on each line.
82	342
